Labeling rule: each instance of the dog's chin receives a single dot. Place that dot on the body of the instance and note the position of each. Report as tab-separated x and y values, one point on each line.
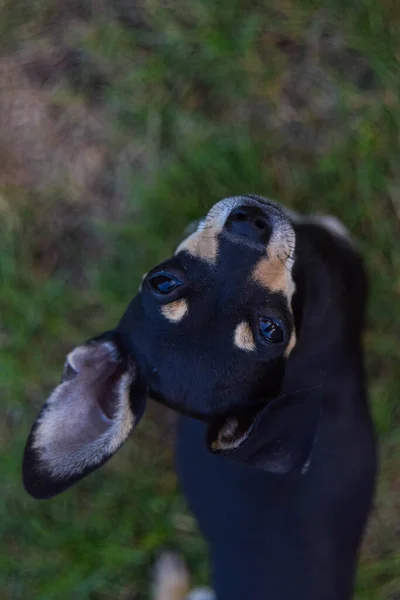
227	428
228	432
206	407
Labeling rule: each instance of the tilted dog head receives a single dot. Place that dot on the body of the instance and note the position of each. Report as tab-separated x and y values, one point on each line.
218	312
208	334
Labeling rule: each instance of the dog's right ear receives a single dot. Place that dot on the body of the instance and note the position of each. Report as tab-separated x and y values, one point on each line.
280	440
87	417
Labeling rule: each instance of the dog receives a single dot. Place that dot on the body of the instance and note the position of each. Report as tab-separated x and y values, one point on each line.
252	331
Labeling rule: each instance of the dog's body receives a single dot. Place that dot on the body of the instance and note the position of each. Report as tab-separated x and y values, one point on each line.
297	536
253	332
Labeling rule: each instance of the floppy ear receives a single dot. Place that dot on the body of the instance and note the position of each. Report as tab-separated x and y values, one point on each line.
85	419
280	439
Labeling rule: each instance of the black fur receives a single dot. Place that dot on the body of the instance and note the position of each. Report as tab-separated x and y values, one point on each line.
297	536
283	510
193	366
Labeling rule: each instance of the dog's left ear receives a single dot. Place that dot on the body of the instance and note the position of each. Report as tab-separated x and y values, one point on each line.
86	418
281	438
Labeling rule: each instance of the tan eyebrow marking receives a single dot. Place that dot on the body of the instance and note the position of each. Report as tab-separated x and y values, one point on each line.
291	344
175	311
243	338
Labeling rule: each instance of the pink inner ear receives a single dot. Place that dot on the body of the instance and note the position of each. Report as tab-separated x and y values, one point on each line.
89	415
98	368
85	420
94	356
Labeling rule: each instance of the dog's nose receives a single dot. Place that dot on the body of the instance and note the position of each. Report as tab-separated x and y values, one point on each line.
250	222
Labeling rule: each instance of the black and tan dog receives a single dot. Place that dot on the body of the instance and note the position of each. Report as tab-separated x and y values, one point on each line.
252	331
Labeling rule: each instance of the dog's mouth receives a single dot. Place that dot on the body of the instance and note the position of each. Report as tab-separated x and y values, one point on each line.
228	432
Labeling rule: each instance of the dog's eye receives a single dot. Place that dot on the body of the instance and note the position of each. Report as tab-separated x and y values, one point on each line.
271	330
164	283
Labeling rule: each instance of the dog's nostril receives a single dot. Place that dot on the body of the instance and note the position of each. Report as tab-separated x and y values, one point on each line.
239	215
250	222
260	224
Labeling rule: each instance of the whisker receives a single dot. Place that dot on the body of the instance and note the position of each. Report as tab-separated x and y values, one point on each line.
286	267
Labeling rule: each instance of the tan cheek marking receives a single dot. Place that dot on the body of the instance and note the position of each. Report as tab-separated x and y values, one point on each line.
202	244
244	338
274	275
175	311
291	344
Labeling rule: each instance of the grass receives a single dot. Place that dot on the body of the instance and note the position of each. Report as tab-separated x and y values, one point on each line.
298	101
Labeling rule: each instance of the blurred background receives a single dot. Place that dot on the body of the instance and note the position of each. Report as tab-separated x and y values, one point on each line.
120	122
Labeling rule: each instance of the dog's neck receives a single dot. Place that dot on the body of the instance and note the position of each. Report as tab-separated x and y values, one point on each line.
330	296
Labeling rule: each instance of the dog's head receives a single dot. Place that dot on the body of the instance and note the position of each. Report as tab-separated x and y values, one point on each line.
208	334
211	326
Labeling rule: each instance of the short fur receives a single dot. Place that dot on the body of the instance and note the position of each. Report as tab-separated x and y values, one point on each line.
276	449
297	536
